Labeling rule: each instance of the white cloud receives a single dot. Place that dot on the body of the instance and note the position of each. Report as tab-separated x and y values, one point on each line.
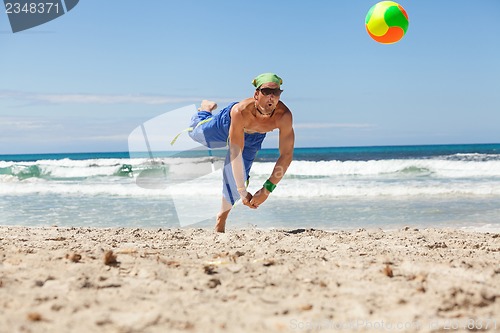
103	138
12	124
107	99
99	98
332	125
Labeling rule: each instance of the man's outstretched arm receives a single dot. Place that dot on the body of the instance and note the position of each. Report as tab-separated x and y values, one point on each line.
286	144
236	145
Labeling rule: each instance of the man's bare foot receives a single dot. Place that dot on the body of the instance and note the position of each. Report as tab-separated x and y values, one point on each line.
220	225
207	105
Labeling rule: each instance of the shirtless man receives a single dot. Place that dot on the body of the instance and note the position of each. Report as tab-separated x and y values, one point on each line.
243	126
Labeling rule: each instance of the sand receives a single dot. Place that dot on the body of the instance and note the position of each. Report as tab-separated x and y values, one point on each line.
193	280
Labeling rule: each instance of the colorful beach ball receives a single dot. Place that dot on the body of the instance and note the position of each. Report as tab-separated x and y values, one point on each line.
386	22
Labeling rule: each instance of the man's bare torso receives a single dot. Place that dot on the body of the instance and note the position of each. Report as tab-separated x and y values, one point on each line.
255	122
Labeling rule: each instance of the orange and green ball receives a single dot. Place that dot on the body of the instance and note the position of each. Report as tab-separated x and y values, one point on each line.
386	22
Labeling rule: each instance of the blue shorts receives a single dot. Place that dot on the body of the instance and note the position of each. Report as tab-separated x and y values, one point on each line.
214	133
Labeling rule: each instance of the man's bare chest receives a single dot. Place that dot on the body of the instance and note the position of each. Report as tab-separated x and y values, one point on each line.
260	126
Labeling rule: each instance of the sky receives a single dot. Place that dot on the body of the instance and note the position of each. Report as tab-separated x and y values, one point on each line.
84	81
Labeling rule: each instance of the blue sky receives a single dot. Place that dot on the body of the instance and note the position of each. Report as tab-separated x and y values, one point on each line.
84	81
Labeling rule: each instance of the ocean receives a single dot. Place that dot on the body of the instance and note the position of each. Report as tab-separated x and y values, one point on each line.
325	188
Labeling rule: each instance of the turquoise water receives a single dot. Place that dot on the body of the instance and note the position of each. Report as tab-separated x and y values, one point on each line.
329	188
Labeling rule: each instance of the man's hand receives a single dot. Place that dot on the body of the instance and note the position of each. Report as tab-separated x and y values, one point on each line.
259	197
246	198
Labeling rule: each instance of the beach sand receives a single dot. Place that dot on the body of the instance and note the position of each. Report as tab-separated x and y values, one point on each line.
248	280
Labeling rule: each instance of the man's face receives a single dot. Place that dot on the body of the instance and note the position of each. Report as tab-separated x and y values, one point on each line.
267	97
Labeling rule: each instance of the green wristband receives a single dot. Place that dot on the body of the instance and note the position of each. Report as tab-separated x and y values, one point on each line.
269	186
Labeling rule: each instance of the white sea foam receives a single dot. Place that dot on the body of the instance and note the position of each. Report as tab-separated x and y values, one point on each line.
108	167
451	190
440	168
392	178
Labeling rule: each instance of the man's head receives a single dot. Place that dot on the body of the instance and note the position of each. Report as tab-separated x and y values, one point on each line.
267	93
